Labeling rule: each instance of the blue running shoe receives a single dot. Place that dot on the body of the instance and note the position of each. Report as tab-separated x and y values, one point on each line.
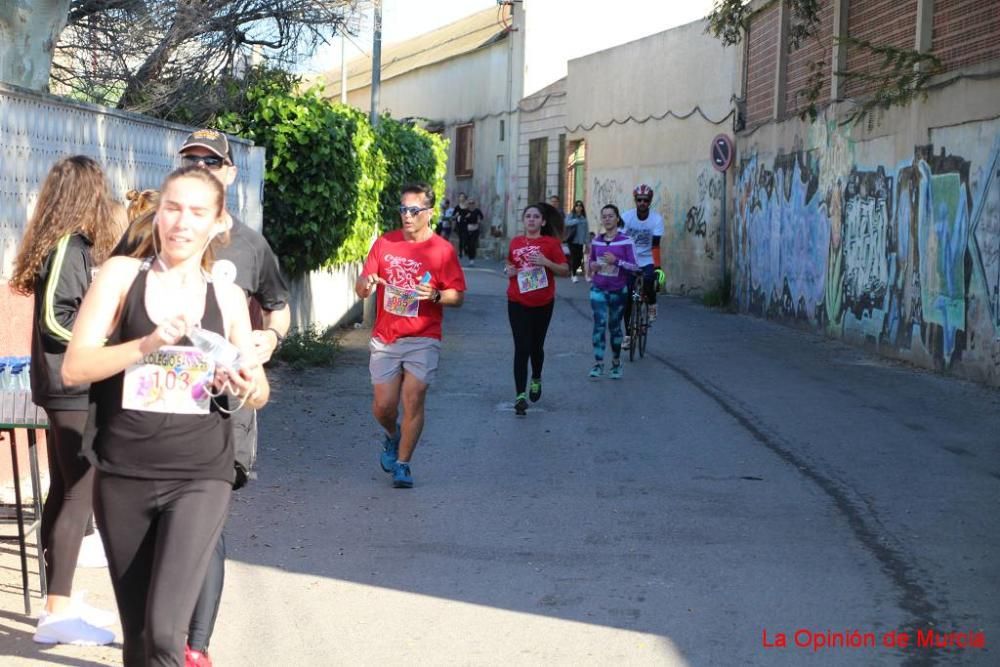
597	371
401	478
616	372
390	450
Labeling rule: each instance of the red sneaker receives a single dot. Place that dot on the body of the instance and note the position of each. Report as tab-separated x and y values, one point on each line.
194	658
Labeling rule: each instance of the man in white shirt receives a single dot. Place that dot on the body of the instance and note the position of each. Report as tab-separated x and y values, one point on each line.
645	227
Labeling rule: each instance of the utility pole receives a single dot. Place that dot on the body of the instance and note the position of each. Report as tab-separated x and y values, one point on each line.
368	309
343	65
376	61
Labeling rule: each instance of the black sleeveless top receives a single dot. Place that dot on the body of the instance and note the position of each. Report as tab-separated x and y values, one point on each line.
154	445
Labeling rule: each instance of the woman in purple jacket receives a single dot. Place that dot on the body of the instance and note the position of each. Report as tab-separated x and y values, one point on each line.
612	258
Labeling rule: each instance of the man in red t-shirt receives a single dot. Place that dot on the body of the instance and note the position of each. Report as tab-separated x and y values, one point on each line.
416	273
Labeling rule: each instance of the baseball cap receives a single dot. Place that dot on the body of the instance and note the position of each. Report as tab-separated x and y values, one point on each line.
213	140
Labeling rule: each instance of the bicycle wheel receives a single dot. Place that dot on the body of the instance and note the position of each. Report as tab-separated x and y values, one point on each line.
643	327
633	329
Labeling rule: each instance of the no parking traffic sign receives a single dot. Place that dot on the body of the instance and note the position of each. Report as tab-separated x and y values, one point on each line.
722	152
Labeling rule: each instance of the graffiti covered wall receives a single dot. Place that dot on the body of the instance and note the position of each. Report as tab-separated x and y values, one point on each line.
846	238
689	197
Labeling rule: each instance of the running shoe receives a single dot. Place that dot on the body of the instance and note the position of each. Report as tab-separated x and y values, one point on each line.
616	372
626	342
390	450
521	405
535	390
68	628
652	313
575	279
194	658
597	371
401	478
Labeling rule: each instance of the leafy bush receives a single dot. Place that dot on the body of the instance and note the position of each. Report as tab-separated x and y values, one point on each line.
322	176
308	347
411	154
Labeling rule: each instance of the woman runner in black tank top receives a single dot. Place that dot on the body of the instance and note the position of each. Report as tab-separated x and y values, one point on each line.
160	443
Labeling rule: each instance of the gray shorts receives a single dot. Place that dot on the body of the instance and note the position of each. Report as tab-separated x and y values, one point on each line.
416	356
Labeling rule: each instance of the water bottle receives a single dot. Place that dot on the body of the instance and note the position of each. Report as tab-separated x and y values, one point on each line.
18	374
6	412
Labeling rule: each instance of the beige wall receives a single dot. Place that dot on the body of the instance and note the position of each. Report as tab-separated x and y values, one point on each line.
542	115
646	79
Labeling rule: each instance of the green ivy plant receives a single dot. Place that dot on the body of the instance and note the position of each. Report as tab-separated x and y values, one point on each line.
331	182
411	154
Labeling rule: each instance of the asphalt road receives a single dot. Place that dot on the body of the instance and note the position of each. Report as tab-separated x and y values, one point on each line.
743	483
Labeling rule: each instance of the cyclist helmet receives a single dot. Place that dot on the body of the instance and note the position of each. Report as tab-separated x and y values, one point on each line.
642	190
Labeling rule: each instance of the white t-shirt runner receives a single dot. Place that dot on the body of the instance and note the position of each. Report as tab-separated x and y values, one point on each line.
642	232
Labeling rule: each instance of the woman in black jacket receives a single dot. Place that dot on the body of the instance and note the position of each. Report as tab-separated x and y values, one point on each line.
72	230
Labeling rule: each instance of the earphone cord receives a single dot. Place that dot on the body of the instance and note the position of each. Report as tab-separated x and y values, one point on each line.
227	387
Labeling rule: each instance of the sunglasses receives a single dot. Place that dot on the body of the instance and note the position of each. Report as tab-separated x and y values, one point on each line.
412	210
210	161
642	199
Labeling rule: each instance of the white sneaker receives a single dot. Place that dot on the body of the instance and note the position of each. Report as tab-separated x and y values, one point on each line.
92	615
626	342
99	617
652	313
68	628
92	552
575	279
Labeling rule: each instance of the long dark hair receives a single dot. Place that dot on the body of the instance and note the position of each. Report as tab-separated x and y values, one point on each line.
583	209
553	219
74	199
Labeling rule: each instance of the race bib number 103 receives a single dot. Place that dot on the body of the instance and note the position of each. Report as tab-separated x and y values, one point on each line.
174	379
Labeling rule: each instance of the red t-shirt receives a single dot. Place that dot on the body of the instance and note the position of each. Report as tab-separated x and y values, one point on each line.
532	285
402	264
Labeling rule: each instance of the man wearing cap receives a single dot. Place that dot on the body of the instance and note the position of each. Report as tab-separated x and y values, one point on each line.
249	262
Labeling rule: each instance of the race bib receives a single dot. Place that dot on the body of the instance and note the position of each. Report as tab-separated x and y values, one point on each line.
531	279
610	270
401	302
174	379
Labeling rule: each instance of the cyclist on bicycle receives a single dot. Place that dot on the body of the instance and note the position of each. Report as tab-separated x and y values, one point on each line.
645	227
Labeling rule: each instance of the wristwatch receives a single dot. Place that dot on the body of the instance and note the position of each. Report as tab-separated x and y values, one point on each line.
437	296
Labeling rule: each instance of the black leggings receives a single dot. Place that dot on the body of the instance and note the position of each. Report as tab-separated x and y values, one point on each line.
471	243
169	524
575	257
68	505
529	326
206	610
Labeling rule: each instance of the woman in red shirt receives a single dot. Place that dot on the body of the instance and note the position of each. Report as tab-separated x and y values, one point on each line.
533	261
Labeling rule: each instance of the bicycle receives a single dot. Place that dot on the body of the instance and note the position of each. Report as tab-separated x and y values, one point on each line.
638	326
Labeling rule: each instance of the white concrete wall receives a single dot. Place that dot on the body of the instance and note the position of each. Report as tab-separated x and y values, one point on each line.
637	84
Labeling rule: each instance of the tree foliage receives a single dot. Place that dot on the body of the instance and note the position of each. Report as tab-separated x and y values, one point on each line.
331	182
175	59
412	154
897	77
322	177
